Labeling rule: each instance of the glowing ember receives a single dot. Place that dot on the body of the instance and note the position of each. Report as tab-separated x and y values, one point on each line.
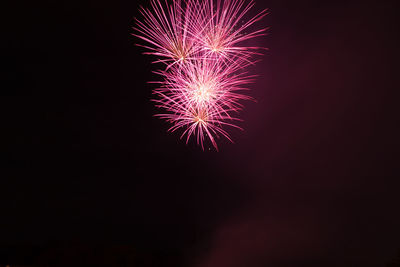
201	45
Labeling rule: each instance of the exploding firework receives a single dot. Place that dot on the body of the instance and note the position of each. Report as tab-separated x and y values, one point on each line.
166	31
201	44
220	35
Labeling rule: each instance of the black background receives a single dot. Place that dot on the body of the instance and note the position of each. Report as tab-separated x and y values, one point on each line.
89	175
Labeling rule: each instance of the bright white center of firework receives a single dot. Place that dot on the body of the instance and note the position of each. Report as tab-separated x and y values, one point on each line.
215	45
199	120
203	93
216	49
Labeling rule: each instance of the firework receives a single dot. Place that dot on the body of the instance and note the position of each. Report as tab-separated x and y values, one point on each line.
201	44
165	28
221	34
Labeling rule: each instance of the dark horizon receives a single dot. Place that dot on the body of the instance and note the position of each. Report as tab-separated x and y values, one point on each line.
89	172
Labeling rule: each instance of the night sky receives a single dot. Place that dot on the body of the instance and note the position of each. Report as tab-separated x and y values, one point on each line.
313	180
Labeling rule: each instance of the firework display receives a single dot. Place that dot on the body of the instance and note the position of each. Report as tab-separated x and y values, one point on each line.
201	45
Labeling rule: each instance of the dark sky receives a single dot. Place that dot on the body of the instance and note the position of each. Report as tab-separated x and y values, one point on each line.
313	180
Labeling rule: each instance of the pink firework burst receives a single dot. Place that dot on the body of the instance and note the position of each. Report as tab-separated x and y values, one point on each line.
165	28
204	79
224	29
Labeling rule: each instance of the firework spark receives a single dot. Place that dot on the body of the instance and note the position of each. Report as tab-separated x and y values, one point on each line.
201	44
